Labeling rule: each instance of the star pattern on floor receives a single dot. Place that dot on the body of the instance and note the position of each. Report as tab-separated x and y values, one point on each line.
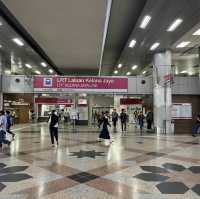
10	174
166	183
89	154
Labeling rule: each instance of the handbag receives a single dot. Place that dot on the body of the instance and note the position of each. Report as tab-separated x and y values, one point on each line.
8	137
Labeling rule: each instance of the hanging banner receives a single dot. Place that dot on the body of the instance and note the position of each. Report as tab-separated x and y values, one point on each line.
76	84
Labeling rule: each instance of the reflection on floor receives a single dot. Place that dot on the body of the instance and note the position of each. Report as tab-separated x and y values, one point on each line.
132	167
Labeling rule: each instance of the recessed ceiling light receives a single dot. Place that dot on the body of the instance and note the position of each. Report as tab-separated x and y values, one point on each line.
50	71
134	67
43	64
116	72
144	72
120	65
128	73
18	42
184	71
146	20
183	44
132	43
154	46
175	25
38	72
197	32
28	65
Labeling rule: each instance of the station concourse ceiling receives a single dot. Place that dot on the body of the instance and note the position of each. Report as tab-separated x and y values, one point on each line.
92	37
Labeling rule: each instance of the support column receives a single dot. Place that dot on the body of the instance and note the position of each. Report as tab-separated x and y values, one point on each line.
162	93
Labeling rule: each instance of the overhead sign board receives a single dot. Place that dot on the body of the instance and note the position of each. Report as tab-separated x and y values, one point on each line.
82	84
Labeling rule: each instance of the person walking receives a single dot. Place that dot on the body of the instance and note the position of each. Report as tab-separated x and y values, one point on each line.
3	126
196	127
149	119
115	117
53	127
9	123
141	121
123	118
104	134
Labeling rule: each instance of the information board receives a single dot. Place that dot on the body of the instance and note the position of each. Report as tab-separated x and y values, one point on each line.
182	111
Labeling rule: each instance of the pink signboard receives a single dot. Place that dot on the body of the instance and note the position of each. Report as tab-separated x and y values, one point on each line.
86	84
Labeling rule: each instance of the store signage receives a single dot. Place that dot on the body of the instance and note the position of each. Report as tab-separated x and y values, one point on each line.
53	101
86	84
182	111
129	101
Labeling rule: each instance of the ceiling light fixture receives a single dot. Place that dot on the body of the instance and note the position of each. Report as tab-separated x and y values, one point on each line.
183	72
18	42
154	46
144	72
146	20
132	43
183	44
175	25
120	65
128	73
38	72
1	46
116	72
43	64
28	65
134	67
197	33
50	71
1	23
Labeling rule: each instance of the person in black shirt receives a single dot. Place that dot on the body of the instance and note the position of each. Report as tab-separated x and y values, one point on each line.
123	118
53	126
104	134
196	128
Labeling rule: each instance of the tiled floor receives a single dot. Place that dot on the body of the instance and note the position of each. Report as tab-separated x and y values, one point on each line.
132	167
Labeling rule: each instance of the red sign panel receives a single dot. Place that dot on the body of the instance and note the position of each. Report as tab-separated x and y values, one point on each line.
129	101
54	101
94	84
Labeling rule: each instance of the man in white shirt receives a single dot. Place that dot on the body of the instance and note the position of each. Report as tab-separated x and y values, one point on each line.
3	125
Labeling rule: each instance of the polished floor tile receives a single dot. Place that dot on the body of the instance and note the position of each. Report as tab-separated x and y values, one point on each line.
132	167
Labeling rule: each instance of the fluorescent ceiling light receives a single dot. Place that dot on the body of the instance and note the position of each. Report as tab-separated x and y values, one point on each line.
50	71
132	43
28	65
43	64
116	72
144	72
184	71
183	44
134	67
128	73
146	20
18	42
38	72
175	25
197	33
154	46
120	65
